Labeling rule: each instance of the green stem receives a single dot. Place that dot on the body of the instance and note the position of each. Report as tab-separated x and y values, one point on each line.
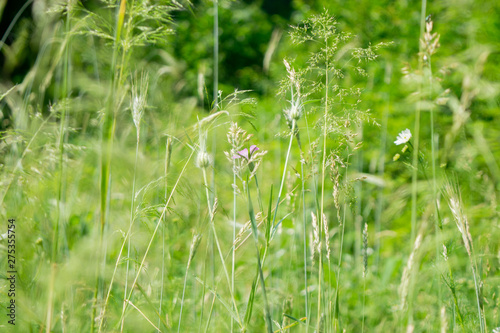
129	244
162	216
336	310
267	312
203	292
234	238
323	173
381	169
414	179
168	151
182	299
211	312
212	225
451	285
480	310
364	298
126	240
437	218
62	127
108	130
284	173
305	246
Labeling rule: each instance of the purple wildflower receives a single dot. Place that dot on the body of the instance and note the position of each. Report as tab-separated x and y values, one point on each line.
244	153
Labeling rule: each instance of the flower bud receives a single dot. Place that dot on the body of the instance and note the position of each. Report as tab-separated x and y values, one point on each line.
295	111
203	160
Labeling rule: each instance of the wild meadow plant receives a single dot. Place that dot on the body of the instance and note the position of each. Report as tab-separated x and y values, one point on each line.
431	96
143	210
455	203
124	41
138	103
416	159
340	108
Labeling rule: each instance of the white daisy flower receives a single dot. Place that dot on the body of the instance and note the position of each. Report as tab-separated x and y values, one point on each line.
403	137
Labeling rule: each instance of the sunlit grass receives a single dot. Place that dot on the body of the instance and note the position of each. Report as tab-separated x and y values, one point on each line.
142	208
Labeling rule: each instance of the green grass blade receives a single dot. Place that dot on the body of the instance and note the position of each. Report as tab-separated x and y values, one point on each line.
267	313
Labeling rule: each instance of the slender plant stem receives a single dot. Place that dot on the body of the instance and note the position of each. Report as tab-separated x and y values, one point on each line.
417	139
336	307
168	151
126	240
433	155
214	138
13	22
212	224
164	211
233	238
132	208
315	190
203	292
305	245
210	313
364	299
267	312
216	53
62	129
108	130
182	299
323	173
163	235
451	285
381	168
284	173
414	178
437	218
473	265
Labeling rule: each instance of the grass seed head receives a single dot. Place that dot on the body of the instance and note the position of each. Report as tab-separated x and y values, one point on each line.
194	246
405	279
316	233
455	204
138	99
327	237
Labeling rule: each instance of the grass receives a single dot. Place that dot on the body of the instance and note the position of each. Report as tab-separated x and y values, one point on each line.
142	208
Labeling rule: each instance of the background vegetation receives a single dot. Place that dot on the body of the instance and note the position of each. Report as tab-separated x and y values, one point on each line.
123	130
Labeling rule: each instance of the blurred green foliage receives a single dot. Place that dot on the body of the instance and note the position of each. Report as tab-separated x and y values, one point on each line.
174	45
